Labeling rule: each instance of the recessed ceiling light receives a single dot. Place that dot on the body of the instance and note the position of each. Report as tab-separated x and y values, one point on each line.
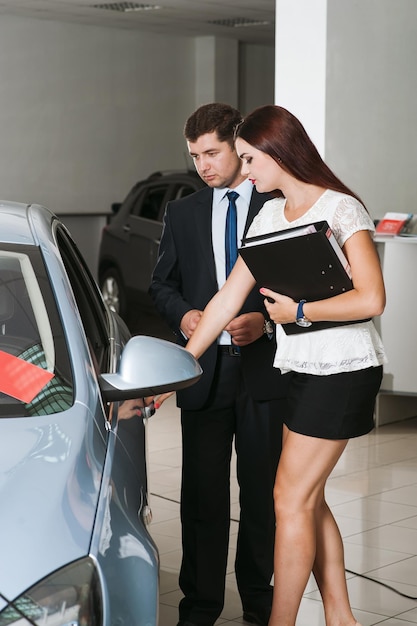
239	22
125	7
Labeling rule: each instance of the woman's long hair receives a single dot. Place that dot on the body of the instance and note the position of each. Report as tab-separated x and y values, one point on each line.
277	132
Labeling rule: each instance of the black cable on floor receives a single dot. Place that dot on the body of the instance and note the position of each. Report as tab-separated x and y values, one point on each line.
373	580
164	498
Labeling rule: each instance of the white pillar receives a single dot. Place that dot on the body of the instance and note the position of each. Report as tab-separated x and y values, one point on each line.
346	69
216	70
300	63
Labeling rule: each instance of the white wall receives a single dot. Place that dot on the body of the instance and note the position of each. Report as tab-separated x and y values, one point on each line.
300	63
371	129
256	76
346	68
216	70
86	111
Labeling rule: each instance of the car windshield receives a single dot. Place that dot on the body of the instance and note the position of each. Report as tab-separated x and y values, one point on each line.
36	376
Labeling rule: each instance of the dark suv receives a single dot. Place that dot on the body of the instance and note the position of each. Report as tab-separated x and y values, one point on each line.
129	243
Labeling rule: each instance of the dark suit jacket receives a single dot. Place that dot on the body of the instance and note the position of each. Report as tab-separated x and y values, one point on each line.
185	278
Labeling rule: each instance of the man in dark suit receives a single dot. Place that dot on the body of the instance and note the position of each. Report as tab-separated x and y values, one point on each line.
239	396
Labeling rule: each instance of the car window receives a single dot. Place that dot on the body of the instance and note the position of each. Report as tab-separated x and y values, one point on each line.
182	190
36	373
150	201
89	302
131	198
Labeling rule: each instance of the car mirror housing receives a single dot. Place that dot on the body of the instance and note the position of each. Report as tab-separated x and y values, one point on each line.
150	366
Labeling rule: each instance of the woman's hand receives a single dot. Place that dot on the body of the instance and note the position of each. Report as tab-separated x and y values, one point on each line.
365	300
137	407
159	400
282	310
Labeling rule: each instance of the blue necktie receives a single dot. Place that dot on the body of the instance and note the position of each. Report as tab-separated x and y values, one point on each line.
231	232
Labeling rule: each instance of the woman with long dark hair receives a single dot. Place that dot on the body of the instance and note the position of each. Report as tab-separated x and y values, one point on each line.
337	371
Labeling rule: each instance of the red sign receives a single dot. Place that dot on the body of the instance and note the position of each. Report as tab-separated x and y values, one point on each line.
20	379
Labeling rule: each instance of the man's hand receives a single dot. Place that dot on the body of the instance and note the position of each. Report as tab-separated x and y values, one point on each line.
189	322
246	328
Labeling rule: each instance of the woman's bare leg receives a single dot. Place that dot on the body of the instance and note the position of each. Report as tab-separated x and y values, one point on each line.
303	519
329	568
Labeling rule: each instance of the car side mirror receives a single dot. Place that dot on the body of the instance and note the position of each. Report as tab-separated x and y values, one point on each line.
150	366
115	207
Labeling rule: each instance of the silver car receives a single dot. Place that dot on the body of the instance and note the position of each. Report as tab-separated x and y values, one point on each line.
74	546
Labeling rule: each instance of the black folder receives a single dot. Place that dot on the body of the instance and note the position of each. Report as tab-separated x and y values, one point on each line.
309	266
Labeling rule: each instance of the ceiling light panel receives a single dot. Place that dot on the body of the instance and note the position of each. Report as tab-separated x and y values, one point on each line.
126	7
239	22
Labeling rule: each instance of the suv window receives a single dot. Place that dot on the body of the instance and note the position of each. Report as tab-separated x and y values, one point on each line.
150	202
183	190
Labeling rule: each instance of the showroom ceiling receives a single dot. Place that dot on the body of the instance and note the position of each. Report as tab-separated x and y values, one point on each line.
251	21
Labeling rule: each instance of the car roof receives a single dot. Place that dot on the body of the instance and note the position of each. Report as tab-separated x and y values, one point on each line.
168	176
17	222
173	174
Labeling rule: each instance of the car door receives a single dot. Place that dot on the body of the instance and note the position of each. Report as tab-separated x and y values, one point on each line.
120	530
176	190
144	228
106	336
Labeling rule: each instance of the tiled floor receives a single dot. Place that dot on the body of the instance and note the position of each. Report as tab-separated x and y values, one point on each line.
373	494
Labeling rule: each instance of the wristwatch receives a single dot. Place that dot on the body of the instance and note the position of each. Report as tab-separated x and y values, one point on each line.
301	319
268	329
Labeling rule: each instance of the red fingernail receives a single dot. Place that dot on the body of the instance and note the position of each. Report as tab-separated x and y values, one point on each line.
157	405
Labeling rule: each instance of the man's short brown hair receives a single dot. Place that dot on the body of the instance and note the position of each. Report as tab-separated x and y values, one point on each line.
215	117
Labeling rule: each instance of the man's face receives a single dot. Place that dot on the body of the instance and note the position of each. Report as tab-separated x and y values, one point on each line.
215	161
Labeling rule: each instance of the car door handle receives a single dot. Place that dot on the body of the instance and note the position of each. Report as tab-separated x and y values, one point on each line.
126	228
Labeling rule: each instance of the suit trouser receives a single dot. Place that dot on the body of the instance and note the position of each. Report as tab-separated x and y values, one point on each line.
205	495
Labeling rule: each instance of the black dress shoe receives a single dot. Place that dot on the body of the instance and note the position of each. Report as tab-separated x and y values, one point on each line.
260	617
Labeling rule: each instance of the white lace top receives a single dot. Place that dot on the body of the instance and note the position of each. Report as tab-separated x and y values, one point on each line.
332	350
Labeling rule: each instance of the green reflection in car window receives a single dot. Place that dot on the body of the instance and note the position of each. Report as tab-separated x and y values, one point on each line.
56	396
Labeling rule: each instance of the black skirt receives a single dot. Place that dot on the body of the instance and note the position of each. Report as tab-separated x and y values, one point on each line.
338	406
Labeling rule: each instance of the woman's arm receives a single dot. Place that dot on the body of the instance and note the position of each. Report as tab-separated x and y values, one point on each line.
366	299
222	308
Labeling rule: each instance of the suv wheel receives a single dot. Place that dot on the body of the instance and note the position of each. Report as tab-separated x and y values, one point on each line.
113	291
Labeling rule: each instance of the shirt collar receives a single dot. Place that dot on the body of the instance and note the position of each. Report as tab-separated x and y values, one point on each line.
244	190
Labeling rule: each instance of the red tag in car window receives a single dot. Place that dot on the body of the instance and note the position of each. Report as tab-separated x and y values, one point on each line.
21	379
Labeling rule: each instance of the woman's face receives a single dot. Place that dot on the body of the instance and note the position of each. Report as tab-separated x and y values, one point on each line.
259	167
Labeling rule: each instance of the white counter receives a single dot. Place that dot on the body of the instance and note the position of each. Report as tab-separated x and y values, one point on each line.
398	328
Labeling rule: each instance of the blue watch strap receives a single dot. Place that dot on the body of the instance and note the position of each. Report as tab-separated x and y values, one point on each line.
300	312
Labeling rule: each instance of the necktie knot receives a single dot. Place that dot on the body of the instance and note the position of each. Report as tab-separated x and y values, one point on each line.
232	195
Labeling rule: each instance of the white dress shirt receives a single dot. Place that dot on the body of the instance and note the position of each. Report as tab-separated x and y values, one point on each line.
218	228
